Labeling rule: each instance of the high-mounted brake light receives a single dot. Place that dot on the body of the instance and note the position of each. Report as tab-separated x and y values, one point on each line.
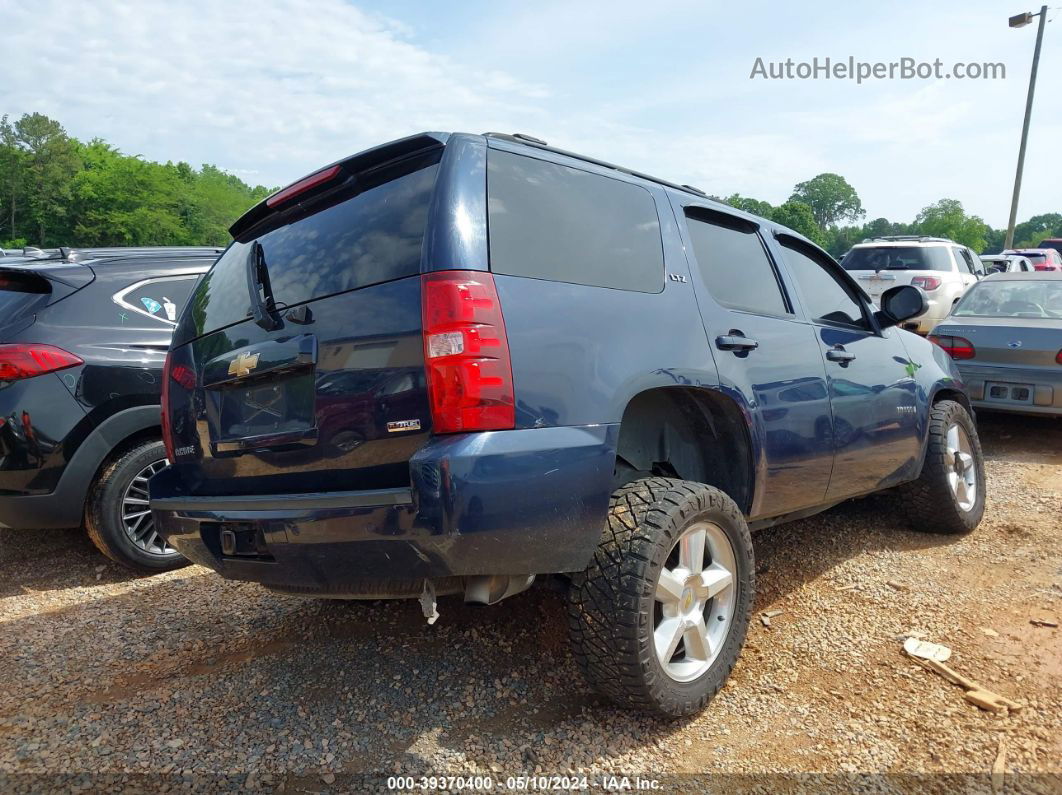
303	185
955	347
466	353
927	283
18	361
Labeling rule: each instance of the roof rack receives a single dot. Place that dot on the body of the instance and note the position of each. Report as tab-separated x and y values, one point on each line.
909	238
538	143
69	254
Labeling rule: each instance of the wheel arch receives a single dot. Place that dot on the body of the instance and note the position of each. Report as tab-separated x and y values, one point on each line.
118	434
692	433
950	393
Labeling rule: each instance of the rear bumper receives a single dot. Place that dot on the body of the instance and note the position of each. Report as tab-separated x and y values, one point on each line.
935	315
501	502
1046	389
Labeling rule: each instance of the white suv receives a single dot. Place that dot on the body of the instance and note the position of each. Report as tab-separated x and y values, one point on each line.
941	267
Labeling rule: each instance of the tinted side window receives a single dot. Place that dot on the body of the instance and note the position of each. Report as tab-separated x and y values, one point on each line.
553	222
734	263
826	298
159	299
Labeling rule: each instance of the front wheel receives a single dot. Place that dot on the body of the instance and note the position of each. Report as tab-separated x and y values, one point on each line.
949	495
118	517
659	617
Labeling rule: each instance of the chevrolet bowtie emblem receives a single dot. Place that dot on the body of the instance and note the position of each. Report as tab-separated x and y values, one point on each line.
243	364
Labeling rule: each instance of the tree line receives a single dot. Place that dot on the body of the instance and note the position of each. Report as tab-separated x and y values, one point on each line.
826	209
57	191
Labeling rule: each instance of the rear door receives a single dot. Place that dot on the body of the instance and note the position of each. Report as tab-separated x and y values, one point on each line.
871	381
298	364
764	353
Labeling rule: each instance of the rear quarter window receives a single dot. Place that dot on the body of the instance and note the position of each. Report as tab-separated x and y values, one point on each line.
548	221
21	294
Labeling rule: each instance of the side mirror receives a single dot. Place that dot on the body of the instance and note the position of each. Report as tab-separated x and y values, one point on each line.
901	303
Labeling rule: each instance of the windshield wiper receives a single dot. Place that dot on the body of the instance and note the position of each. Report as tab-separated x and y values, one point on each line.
263	306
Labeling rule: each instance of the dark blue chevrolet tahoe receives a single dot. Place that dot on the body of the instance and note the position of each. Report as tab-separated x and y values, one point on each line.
455	363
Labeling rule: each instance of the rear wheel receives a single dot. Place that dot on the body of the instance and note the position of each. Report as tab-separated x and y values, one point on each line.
118	517
659	617
949	495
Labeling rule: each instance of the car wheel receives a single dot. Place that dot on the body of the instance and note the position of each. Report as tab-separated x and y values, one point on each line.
659	617
117	516
949	495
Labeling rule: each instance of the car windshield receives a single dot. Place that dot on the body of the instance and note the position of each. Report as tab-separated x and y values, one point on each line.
1012	299
898	258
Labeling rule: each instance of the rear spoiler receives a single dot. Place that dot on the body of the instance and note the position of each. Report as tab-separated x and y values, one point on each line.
60	281
325	179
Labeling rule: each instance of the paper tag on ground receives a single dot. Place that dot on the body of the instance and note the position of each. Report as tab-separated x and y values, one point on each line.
926	650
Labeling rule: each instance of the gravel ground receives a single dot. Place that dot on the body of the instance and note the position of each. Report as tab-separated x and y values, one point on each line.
187	681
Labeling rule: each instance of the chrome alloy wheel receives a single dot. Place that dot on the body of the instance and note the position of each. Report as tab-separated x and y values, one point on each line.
961	467
136	514
696	596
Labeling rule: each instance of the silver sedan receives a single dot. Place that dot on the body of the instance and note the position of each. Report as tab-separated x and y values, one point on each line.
1006	338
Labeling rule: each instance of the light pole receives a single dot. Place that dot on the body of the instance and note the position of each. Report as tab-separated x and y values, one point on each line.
1020	21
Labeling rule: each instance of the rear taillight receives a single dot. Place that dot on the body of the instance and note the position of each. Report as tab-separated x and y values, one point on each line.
1058	357
18	361
303	185
927	283
167	435
955	347
182	375
466	353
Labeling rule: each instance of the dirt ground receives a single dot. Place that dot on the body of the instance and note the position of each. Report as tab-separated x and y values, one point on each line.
187	681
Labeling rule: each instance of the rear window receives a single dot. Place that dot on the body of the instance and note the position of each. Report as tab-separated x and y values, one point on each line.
20	293
372	232
898	258
549	221
1016	298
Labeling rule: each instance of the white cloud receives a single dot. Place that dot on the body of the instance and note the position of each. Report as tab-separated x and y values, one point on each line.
273	89
276	87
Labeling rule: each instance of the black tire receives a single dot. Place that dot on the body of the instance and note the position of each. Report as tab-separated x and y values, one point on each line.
612	608
103	511
929	504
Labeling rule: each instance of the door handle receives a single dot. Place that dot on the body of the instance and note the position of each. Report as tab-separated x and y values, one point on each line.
735	341
838	354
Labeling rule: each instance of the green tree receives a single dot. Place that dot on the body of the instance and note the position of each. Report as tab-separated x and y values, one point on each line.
46	161
127	201
841	238
754	206
11	179
1031	232
947	219
830	198
800	218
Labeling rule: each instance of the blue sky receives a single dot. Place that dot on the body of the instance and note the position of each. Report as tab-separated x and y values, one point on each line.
271	89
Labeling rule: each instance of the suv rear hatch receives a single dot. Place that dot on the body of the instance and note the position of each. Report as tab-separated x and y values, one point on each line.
877	268
298	364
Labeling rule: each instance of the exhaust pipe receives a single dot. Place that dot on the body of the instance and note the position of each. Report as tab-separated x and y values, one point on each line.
489	589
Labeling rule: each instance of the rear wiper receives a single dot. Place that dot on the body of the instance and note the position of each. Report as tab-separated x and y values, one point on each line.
263	306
